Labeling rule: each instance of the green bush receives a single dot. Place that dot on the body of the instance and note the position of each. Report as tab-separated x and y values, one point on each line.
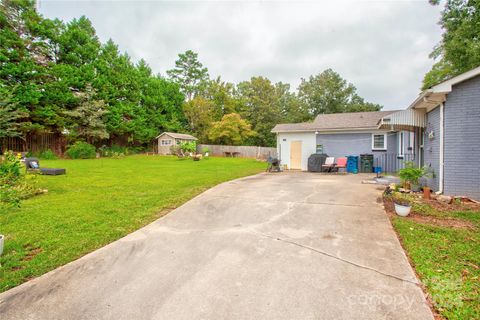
13	185
10	177
412	174
47	155
81	150
188	147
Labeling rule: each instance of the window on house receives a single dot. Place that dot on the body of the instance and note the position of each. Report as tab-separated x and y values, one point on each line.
379	141
411	141
319	148
401	144
165	142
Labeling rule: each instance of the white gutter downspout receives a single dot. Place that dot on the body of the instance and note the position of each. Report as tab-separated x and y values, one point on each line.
442	130
279	148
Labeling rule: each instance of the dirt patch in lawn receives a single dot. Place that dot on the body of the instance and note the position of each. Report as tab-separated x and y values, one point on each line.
431	220
31	252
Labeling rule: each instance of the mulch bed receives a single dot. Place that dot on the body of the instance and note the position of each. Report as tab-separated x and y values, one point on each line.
437	221
463	205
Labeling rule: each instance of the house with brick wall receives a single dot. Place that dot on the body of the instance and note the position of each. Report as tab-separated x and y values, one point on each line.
440	130
451	136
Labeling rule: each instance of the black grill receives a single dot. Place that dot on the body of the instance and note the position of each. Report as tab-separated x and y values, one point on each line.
315	162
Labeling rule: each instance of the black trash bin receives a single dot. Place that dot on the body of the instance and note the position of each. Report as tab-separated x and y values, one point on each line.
315	162
366	163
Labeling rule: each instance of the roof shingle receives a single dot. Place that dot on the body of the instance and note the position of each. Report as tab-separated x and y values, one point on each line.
336	121
183	136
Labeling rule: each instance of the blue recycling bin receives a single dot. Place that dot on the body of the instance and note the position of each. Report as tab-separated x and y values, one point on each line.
352	164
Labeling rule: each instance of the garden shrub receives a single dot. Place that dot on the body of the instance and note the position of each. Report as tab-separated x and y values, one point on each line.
188	147
119	149
412	174
13	184
10	176
81	150
47	155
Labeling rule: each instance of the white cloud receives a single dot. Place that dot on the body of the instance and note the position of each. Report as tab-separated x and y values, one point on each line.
381	47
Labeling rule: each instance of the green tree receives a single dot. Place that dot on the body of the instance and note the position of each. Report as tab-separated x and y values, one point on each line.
328	92
200	114
23	53
222	95
78	44
73	48
10	124
291	108
48	67
459	49
118	85
231	130
189	73
86	120
162	103
261	108
358	104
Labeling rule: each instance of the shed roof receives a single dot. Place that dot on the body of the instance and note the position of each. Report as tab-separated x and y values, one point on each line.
337	121
182	136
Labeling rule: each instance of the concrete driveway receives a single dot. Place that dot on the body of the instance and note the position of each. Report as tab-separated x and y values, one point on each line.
271	246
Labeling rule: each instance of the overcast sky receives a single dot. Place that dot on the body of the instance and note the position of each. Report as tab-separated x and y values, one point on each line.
382	47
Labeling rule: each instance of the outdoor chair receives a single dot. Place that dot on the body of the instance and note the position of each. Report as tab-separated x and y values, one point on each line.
329	164
341	164
32	165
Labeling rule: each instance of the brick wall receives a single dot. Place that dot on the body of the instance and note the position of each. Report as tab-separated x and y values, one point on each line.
432	147
462	140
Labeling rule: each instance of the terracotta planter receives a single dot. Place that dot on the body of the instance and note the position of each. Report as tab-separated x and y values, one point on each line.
427	193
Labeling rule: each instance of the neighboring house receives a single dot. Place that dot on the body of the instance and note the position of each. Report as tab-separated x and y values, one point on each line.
440	130
344	134
168	139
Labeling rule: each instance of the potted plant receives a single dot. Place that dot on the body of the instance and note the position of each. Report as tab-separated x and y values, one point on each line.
402	206
411	174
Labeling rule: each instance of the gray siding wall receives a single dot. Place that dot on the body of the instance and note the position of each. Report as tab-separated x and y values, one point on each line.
462	140
346	144
432	147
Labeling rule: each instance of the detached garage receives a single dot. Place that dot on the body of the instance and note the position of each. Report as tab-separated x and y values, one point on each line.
294	148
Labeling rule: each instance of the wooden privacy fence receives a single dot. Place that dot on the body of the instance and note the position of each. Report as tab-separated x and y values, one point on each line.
239	151
34	143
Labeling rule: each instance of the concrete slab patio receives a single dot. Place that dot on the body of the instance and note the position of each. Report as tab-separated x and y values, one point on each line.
271	246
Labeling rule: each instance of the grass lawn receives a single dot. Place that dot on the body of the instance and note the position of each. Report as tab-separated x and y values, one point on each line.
99	201
446	258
